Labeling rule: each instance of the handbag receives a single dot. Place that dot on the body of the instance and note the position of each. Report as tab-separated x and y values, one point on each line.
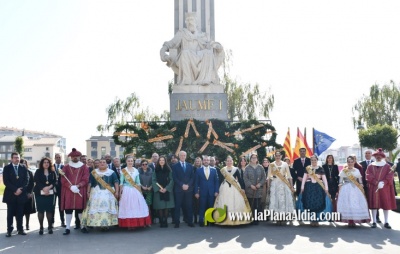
51	192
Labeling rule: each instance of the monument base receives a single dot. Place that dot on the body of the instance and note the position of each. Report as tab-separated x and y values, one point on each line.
198	89
201	106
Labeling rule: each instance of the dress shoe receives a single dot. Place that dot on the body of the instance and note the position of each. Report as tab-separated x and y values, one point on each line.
8	234
191	225
84	230
176	225
67	231
387	226
21	232
77	227
27	227
63	225
378	220
50	231
41	231
373	225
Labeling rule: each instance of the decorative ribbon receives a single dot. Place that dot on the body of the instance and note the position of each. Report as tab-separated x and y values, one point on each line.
211	130
194	128
130	180
250	150
102	182
157	139
187	129
173	129
204	146
223	145
248	129
353	179
277	172
312	174
126	134
179	147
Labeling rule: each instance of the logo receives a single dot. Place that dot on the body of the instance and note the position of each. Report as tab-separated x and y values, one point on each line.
208	216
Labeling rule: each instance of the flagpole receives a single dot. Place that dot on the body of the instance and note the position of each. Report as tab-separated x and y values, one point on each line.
313	143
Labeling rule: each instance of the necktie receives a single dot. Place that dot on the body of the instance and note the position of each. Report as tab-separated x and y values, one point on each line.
207	172
368	162
184	167
16	171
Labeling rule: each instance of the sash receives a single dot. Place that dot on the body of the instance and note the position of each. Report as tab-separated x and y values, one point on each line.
130	180
277	172
229	178
311	173
353	179
102	182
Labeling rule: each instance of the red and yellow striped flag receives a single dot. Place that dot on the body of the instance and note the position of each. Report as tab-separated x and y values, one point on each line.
301	142
287	147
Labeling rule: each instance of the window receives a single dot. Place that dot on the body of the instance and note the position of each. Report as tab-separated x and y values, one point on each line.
47	155
2	156
28	158
93	144
47	148
103	151
28	149
10	148
113	153
93	154
2	148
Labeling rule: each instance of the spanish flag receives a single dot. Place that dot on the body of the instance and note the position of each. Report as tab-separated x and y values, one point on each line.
287	147
301	142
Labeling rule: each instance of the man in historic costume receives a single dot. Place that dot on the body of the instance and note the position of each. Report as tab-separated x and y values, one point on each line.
206	187
379	177
16	180
198	58
74	181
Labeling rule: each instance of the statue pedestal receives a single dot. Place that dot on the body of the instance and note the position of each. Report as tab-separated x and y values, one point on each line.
200	106
197	89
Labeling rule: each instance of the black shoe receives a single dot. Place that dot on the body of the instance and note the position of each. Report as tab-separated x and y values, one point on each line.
67	231
27	227
176	225
387	226
50	231
201	224
41	231
378	220
191	225
77	227
84	230
373	225
63	225
22	232
8	234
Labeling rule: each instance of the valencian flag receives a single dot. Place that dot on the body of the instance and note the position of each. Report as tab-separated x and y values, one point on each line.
322	141
287	147
301	142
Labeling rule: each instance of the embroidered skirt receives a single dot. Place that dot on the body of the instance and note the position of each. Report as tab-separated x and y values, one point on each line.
352	205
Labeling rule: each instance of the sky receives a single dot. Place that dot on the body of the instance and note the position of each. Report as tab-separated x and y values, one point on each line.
63	62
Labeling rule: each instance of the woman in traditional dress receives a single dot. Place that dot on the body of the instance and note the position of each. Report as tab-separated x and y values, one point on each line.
163	185
292	171
103	192
281	186
352	204
30	206
314	190
45	181
133	209
232	194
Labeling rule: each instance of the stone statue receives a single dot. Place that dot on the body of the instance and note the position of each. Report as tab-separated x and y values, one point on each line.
192	56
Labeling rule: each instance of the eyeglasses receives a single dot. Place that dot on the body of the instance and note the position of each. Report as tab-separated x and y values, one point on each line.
144	164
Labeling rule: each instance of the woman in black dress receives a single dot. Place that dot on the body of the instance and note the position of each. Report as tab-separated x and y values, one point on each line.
29	207
332	176
45	181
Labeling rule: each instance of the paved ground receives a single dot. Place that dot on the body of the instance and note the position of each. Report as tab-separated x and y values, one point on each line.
266	237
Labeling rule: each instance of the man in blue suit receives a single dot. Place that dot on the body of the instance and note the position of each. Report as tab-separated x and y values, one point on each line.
182	173
206	187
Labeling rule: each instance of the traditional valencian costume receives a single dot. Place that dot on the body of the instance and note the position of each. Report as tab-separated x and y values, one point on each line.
231	195
281	197
133	211
102	207
352	204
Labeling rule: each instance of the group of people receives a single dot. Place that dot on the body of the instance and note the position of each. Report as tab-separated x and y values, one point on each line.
103	193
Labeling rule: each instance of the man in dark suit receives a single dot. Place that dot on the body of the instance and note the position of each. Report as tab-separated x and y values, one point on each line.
183	176
206	187
16	179
213	161
153	163
57	167
299	165
116	167
107	157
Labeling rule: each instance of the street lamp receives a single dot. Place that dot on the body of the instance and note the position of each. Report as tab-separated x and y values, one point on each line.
360	127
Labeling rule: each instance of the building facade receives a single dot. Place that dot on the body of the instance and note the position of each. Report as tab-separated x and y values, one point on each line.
98	146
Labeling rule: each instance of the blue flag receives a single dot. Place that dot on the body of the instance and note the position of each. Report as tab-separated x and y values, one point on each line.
322	142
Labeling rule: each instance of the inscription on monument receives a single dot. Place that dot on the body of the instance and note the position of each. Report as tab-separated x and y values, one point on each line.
198	106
